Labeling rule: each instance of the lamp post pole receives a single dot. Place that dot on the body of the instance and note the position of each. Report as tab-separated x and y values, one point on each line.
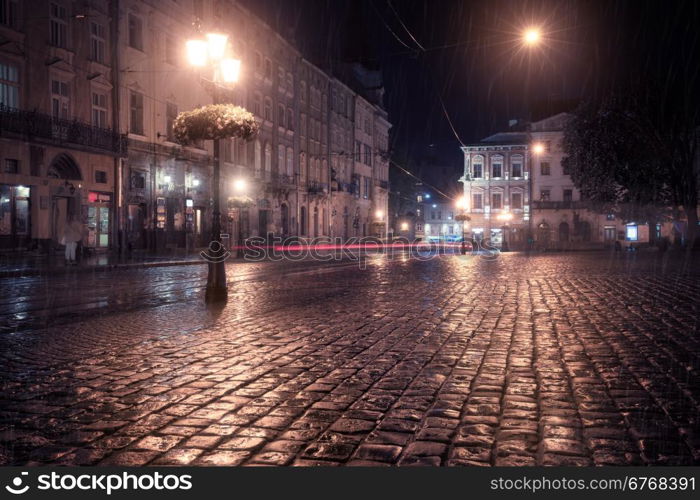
216	278
212	53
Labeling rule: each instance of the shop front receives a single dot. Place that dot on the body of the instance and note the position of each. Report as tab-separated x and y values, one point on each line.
98	220
15	217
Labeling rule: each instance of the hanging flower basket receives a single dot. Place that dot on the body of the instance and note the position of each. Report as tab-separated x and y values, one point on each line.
214	121
462	217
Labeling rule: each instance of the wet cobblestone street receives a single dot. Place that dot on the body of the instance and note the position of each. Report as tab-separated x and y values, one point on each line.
578	359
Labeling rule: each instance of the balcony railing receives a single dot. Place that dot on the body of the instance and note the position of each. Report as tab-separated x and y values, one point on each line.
282	180
65	132
315	187
558	205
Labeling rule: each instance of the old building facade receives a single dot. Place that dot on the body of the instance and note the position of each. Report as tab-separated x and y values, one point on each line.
497	189
58	155
108	79
516	187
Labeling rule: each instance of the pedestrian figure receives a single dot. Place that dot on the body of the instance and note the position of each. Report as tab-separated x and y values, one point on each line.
618	246
72	234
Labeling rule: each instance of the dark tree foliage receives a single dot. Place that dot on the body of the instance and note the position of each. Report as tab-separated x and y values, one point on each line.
635	153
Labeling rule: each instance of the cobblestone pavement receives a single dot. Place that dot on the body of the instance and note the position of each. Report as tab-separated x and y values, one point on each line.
576	359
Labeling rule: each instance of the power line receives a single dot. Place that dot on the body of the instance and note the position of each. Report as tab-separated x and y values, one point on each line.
408	172
404	26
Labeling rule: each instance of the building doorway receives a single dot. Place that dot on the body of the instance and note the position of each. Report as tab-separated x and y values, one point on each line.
302	221
564	232
263	221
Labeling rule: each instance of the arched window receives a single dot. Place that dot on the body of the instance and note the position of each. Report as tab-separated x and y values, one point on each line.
497	167
516	166
478	167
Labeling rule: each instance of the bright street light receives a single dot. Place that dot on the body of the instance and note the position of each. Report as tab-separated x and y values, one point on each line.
461	202
230	70
240	185
379	214
404	226
216	44
531	36
538	148
196	52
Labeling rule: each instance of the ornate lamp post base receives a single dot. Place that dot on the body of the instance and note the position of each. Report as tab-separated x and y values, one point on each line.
216	283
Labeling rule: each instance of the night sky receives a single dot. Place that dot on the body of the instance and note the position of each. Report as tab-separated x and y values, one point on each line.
475	60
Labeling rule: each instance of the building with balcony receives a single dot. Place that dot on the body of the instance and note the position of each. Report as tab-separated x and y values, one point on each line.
60	152
497	189
91	132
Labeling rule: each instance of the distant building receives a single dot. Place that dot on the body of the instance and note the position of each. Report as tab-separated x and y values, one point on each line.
516	189
497	189
440	223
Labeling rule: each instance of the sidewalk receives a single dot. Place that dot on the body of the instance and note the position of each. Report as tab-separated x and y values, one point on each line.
31	264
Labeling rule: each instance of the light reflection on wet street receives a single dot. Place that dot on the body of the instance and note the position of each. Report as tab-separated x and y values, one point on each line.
559	359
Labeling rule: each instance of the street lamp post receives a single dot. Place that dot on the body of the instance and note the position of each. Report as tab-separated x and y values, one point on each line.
461	205
210	54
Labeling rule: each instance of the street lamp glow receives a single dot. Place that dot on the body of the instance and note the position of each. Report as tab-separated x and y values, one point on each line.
216	44
531	36
230	70
404	226
379	214
196	52
538	148
461	202
240	185
195	182
167	179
